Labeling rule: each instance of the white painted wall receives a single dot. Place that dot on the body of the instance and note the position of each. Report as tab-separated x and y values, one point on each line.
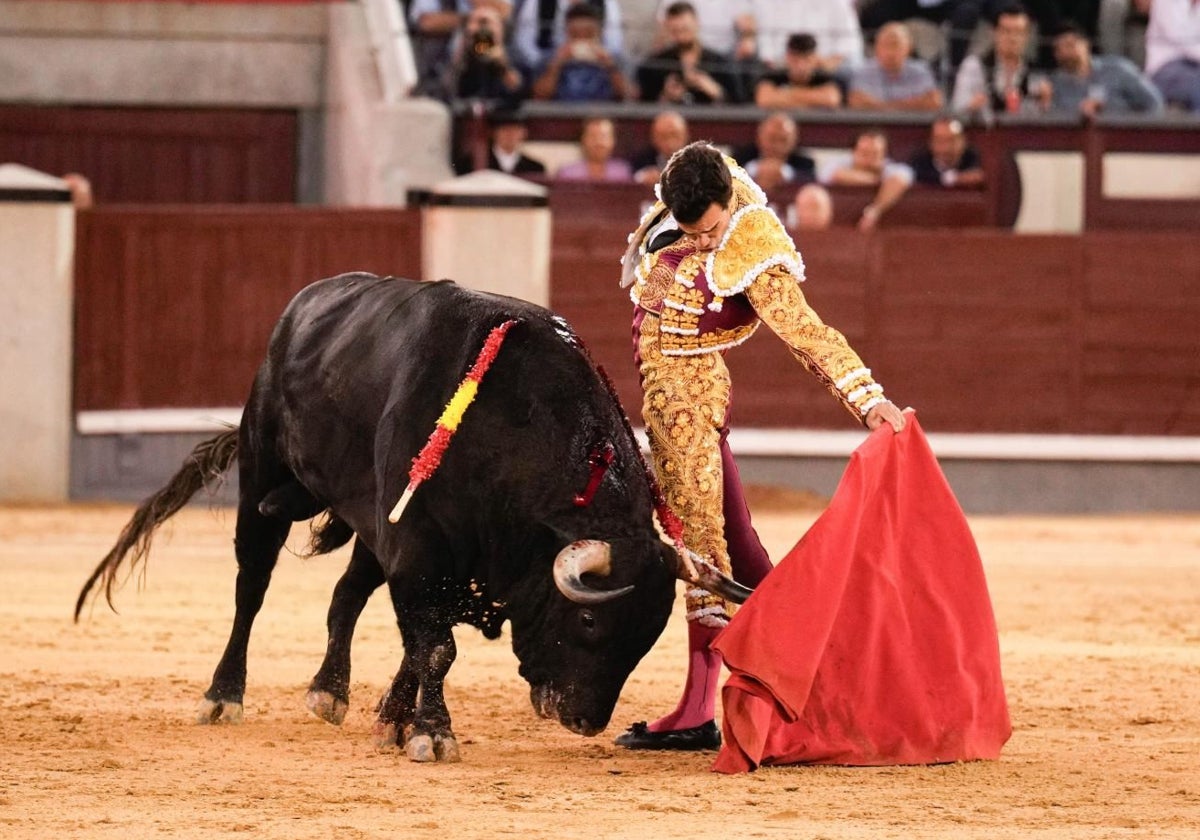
37	248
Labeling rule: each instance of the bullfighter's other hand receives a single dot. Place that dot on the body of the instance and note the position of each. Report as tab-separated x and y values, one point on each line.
885	412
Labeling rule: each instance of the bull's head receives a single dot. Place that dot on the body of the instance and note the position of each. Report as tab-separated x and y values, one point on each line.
595	557
577	651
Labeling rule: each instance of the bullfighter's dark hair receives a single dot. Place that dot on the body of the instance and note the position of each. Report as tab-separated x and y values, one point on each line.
680	8
695	178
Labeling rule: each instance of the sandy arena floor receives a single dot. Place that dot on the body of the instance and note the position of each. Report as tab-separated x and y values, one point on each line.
1100	634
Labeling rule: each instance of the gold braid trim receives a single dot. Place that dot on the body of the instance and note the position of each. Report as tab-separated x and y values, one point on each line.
755	241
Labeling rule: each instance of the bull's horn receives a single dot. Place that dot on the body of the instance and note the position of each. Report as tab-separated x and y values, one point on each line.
577	559
710	578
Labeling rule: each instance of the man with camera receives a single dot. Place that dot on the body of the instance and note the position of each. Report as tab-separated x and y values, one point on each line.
581	69
484	67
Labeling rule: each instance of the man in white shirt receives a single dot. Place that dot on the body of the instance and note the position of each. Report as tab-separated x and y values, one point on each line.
1173	50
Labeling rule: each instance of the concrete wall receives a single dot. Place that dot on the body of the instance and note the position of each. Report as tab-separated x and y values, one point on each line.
375	151
207	54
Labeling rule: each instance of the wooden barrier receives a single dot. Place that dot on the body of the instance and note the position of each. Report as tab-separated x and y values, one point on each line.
983	330
160	155
174	306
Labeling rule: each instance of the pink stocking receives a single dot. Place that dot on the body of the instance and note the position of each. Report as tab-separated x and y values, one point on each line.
699	702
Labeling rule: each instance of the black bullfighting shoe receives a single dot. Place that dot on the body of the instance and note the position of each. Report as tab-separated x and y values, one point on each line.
706	736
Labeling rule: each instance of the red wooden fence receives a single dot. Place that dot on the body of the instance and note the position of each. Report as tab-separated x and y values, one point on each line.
982	330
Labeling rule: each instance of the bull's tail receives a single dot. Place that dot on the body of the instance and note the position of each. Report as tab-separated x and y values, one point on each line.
208	461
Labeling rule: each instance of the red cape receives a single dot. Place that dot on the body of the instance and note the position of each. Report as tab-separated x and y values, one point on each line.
873	641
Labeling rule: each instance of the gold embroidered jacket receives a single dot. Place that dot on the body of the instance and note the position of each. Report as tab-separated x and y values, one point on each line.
710	301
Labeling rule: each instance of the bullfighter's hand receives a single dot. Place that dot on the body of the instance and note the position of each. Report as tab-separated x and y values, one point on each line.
885	412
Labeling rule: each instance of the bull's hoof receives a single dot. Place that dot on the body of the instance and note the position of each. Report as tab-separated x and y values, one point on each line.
446	749
327	707
218	711
420	748
385	736
424	748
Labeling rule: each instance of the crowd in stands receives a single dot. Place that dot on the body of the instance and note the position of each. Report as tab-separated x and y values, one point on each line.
1062	57
1069	56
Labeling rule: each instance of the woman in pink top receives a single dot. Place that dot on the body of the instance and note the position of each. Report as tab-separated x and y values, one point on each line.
596	141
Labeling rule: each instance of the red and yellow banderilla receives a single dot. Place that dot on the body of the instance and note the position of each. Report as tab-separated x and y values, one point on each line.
430	456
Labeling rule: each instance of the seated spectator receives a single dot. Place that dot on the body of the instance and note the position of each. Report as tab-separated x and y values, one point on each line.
1086	84
802	83
483	67
811	209
1173	51
435	28
582	70
541	28
891	80
773	160
868	165
668	134
597	141
959	16
726	26
687	72
999	81
508	134
948	161
833	23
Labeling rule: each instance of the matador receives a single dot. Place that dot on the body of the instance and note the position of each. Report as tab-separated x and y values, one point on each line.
702	283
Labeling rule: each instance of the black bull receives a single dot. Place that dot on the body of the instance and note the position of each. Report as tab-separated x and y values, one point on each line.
357	373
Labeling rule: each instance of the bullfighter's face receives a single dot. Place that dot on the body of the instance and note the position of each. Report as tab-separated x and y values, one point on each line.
707	232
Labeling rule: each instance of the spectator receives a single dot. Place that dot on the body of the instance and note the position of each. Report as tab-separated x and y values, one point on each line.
1173	51
803	83
505	153
1086	84
773	160
811	209
726	26
541	28
961	16
582	70
435	29
668	134
483	67
891	80
834	24
947	161
868	165
597	140
1000	80
687	72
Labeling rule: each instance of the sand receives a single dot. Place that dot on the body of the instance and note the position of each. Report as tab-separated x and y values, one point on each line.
1100	637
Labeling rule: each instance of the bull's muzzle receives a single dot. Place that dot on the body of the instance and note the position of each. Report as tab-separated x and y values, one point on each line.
583	557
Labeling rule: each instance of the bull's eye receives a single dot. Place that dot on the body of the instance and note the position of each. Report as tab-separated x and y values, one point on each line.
587	619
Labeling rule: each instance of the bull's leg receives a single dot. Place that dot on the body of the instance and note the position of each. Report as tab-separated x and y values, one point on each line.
256	543
397	707
329	694
429	652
